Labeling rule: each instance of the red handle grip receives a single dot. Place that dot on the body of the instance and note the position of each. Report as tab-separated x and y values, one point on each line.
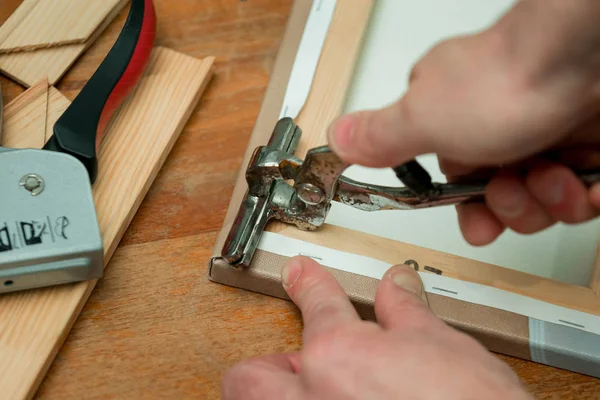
79	131
133	72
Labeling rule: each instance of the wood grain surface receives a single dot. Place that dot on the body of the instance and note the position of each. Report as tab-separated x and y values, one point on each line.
26	115
34	323
56	22
29	67
155	327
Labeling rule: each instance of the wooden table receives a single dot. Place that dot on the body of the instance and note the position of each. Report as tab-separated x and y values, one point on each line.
155	326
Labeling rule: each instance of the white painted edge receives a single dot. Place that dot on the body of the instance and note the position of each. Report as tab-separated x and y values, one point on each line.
307	57
437	284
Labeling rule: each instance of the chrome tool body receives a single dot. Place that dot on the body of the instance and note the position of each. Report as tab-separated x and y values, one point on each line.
300	192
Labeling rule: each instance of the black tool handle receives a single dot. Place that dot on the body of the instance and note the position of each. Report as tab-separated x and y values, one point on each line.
80	129
415	178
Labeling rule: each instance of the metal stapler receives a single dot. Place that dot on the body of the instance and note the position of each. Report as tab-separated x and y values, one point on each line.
49	232
300	192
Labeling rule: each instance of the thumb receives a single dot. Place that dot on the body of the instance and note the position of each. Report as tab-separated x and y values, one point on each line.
378	138
401	302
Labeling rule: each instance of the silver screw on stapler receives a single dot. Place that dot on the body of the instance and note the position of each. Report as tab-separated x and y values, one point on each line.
309	194
33	183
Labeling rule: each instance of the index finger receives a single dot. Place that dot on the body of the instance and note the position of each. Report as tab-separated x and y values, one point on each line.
321	299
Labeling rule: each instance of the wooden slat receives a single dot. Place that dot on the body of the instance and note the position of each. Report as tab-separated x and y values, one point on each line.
29	67
16	18
33	115
56	106
331	83
34	324
57	22
27	115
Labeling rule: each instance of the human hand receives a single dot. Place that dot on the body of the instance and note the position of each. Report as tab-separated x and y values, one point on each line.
408	353
488	105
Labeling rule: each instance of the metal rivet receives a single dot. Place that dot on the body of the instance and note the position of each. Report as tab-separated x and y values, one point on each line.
33	183
296	207
309	194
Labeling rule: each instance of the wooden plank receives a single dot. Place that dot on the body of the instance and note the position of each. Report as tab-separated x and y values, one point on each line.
16	18
56	22
33	115
34	324
28	68
331	83
26	115
57	104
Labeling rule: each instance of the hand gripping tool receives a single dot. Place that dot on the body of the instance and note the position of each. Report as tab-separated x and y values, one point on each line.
300	192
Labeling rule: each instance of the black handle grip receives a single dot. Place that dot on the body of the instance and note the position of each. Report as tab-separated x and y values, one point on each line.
80	129
415	178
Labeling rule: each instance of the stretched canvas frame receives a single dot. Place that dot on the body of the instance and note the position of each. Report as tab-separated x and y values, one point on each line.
499	330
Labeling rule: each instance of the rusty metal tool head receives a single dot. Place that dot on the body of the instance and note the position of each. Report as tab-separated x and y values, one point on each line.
300	192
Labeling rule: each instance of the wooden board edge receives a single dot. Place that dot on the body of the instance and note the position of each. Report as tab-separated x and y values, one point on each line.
561	294
23	36
105	22
330	86
32	48
77	49
31	133
91	40
25	98
16	18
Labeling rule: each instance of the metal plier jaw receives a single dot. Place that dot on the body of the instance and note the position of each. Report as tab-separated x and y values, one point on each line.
286	188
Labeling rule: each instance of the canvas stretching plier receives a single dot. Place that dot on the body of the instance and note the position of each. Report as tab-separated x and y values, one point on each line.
49	231
300	192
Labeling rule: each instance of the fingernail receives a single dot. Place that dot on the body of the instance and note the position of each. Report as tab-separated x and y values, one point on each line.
510	202
290	272
406	278
341	133
551	189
